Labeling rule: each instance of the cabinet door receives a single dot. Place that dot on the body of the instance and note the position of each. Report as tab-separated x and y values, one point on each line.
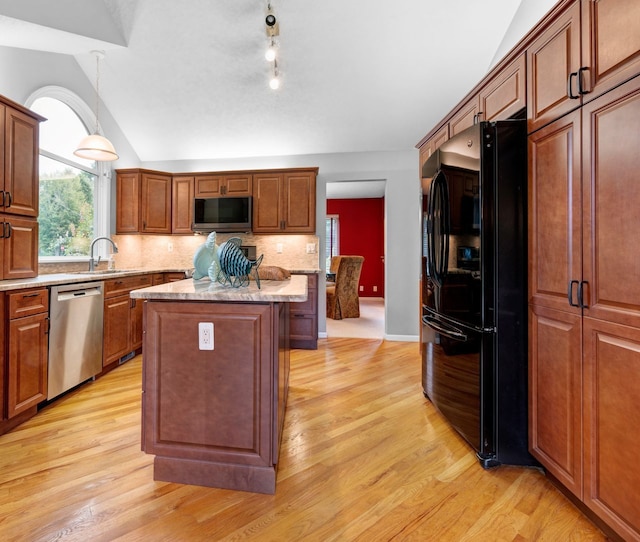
555	251
304	318
555	394
137	306
611	420
267	195
20	164
117	328
19	256
610	43
208	186
466	117
182	205
3	373
611	205
551	59
238	185
505	95
27	368
156	203
128	203
299	202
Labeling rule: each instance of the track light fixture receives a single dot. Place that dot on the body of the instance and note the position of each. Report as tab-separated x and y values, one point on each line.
273	29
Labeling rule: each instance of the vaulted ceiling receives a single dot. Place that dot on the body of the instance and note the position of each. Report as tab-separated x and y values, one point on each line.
187	79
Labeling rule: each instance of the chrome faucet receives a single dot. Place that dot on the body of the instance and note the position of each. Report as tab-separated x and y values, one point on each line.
92	263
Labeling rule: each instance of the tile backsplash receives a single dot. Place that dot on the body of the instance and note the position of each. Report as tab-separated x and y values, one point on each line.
169	251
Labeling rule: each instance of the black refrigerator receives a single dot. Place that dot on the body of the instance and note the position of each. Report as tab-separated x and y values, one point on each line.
474	288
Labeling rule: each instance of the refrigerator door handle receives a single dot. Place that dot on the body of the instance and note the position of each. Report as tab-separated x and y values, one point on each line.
448	331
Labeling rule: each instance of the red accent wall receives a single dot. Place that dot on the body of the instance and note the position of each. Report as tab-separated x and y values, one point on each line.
362	233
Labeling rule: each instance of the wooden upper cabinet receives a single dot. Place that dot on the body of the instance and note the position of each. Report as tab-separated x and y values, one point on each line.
284	202
127	202
267	197
20	168
19	251
156	203
223	185
182	205
551	59
505	95
467	116
299	203
143	202
429	146
610	44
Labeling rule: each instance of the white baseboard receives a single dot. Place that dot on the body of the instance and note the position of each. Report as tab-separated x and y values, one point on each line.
322	334
402	338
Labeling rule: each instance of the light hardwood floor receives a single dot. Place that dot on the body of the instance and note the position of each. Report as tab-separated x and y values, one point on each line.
364	457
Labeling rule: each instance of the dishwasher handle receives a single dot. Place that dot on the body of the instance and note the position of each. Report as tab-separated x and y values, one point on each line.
75	294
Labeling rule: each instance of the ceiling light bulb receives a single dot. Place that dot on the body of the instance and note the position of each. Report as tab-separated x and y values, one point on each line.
274	83
270	53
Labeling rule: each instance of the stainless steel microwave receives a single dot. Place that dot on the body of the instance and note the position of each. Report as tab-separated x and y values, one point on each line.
225	214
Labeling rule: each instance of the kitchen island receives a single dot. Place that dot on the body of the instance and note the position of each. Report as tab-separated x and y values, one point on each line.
215	380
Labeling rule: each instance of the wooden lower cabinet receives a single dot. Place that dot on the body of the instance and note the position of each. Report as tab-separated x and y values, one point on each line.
28	315
555	394
122	317
215	417
611	419
304	318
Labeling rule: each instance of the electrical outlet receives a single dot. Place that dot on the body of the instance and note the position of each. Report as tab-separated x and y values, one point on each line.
362	288
170	247
279	248
375	288
205	335
311	248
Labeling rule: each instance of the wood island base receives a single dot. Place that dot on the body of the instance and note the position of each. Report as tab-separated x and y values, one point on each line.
214	417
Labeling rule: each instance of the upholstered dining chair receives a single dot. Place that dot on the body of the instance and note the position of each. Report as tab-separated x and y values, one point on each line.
342	295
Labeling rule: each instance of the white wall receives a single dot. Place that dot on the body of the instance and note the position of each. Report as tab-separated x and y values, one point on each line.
402	218
24	71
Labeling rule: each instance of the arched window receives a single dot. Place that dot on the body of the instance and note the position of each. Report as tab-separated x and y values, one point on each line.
74	192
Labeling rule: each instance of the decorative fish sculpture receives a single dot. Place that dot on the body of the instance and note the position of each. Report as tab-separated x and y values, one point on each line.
205	259
235	267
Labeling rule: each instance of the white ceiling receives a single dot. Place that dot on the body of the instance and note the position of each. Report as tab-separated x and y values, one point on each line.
187	79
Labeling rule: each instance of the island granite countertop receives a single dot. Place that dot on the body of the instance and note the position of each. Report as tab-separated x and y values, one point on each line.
293	289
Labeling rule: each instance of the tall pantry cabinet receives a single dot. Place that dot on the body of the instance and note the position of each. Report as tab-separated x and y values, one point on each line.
584	270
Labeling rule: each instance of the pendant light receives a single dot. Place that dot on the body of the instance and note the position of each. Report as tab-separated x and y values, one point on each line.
95	146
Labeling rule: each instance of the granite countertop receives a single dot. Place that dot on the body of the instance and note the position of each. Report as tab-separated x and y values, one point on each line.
293	289
76	277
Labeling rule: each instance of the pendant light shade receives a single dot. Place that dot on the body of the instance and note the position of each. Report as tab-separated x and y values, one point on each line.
96	146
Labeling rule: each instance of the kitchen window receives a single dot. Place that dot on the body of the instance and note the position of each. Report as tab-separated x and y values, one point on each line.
74	192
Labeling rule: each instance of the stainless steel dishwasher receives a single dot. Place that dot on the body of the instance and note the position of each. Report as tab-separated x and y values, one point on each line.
75	337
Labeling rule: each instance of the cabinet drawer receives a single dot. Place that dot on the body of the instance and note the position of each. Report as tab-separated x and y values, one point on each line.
124	285
28	302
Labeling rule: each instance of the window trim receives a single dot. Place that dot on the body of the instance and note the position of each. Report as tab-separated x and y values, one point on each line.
102	192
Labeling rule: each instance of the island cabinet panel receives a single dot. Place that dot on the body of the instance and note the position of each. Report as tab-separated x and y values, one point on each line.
214	417
304	318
